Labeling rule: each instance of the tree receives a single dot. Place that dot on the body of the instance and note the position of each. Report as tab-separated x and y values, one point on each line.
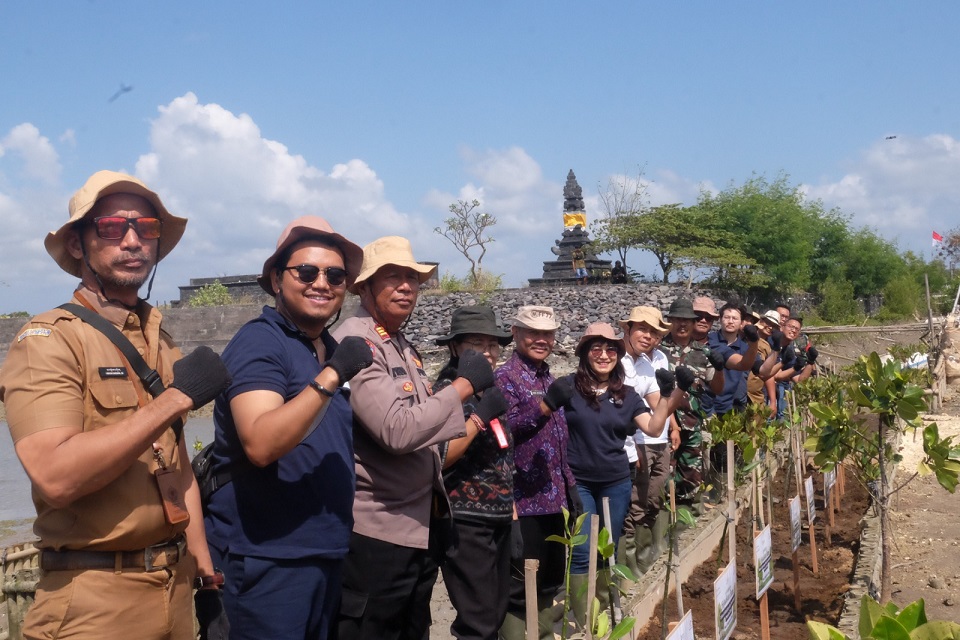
465	229
624	199
871	262
949	249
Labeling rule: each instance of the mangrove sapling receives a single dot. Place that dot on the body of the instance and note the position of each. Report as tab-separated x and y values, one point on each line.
600	621
889	622
678	515
886	392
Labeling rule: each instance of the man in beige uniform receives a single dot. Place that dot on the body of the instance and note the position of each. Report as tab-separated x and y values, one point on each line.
401	512
118	509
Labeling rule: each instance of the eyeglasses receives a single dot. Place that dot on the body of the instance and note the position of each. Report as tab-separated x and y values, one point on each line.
308	273
704	316
115	227
600	349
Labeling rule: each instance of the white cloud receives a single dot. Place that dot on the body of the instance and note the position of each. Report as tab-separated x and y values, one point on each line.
40	160
903	187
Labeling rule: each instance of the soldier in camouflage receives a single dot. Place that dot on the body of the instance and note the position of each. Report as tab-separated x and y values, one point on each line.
707	365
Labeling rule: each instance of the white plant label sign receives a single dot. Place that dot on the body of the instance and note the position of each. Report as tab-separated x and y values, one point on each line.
811	507
684	629
725	602
763	560
795	523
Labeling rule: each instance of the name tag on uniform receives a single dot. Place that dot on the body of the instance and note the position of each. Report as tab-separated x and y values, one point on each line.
107	373
399	372
33	332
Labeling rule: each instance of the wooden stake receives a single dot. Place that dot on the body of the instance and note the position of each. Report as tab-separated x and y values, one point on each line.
796	581
591	573
611	561
530	587
764	618
731	505
675	564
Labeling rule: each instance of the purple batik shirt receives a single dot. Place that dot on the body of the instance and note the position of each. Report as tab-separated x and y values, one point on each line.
542	473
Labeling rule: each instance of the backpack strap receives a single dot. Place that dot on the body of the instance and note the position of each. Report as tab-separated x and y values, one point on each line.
150	378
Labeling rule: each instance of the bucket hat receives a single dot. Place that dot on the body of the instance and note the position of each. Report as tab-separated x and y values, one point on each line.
600	330
309	227
747	311
389	250
536	318
703	304
649	315
772	317
682	308
100	185
475	319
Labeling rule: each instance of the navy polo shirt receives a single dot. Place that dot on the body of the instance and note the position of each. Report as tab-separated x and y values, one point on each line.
302	504
734	382
595	450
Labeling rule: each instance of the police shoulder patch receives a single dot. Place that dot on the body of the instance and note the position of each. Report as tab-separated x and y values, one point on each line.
36	331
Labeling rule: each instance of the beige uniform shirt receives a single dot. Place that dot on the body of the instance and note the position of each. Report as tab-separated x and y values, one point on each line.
398	423
61	372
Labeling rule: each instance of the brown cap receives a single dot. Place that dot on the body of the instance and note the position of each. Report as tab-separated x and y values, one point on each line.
312	227
99	185
536	318
389	250
703	304
600	330
648	315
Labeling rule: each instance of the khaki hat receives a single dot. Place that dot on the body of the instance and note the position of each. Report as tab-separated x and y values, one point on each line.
536	318
99	185
311	227
772	317
477	319
390	250
649	315
703	304
600	330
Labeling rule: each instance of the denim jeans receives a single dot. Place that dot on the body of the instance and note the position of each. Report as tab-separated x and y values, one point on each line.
592	495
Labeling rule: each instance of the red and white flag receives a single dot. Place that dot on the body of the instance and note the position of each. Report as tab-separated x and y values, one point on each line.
937	239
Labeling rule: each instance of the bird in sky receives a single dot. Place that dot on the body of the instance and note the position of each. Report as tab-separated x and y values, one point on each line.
890	137
124	88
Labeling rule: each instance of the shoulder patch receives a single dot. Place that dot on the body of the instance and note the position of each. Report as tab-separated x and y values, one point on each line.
36	331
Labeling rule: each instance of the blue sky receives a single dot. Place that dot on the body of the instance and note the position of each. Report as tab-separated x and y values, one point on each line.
378	115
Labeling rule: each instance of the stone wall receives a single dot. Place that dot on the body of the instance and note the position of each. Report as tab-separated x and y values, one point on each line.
576	307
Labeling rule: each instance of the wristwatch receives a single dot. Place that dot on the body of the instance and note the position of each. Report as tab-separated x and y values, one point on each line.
202	582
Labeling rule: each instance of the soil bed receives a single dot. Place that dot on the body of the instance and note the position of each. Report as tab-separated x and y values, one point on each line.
821	595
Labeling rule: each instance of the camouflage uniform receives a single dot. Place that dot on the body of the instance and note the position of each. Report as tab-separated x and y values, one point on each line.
688	458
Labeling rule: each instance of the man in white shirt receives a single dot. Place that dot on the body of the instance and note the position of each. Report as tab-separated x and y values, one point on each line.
643	331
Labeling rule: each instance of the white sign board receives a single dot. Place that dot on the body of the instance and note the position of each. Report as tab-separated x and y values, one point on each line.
763	560
795	523
725	602
811	507
683	630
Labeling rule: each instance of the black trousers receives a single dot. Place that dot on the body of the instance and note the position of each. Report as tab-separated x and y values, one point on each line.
386	590
477	577
552	557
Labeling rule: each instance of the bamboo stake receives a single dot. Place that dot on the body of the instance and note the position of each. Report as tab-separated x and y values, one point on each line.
530	588
617	613
592	572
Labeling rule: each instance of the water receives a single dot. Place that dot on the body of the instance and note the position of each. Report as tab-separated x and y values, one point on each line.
16	507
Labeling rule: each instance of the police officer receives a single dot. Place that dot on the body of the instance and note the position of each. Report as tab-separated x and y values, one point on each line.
118	510
401	511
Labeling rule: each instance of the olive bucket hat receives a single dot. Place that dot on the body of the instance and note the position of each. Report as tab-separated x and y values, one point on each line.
475	319
682	308
100	185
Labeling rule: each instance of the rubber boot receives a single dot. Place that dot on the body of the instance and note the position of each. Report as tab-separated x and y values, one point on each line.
513	628
578	597
603	589
548	615
645	549
661	528
627	556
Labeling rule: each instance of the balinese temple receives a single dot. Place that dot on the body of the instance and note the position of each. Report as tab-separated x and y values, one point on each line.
560	271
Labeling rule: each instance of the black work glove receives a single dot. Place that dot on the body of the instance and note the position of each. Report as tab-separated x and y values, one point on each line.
559	393
491	405
475	369
685	378
800	362
755	369
574	503
516	540
812	354
777	339
787	355
351	356
211	617
201	376
716	359
750	333
667	381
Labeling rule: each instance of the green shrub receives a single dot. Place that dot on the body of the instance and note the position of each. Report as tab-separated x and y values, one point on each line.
211	295
15	314
839	305
901	300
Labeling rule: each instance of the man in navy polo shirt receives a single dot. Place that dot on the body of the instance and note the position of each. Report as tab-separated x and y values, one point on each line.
280	527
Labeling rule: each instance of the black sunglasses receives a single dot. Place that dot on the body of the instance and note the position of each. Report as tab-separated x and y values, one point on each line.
308	273
115	227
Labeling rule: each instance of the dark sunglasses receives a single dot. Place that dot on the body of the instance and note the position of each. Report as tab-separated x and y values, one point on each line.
115	227
308	273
